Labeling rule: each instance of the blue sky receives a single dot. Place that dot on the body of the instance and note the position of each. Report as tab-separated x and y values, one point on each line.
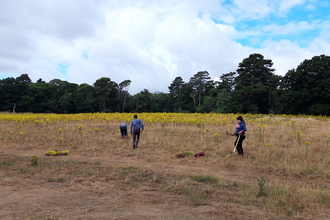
150	42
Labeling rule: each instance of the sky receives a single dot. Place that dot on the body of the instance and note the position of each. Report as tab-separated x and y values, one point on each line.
151	42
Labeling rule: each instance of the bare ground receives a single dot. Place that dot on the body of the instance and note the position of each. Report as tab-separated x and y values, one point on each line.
92	186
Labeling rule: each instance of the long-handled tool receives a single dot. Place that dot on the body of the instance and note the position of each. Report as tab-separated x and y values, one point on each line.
239	136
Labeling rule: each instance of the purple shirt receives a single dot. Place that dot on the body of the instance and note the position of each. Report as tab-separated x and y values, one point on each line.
241	128
137	124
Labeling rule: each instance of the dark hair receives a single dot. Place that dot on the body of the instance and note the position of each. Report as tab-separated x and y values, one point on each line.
135	116
240	118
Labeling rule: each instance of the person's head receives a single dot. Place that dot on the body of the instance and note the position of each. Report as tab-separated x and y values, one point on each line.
135	116
240	118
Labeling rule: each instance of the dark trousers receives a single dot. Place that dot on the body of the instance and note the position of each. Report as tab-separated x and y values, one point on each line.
123	131
136	137
239	148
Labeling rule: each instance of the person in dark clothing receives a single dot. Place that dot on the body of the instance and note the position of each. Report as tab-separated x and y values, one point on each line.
240	135
137	127
123	129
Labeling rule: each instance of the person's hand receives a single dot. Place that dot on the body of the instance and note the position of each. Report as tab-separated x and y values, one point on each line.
230	134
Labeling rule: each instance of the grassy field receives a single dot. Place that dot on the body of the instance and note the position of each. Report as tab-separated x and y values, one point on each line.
285	173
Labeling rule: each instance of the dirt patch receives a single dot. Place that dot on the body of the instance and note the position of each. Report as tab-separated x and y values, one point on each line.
61	189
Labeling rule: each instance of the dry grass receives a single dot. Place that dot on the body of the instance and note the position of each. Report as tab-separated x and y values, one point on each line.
284	174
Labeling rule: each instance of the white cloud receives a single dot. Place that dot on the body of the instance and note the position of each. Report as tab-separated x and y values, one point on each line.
321	44
310	7
149	42
285	55
286	5
251	9
290	28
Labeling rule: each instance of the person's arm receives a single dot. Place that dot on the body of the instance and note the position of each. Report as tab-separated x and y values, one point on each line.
231	134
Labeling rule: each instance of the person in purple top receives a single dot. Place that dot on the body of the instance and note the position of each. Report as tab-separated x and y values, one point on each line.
240	135
123	129
137	127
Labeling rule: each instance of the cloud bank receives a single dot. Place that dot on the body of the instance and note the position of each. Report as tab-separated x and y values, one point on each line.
150	42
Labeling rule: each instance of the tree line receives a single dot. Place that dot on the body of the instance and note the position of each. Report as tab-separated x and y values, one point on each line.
252	88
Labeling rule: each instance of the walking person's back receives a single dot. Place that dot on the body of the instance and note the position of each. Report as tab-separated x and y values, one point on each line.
136	127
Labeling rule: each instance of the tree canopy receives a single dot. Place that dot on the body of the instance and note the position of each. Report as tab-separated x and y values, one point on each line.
252	88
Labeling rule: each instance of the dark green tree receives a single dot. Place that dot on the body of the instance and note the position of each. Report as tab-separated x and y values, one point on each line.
9	94
106	92
176	94
198	83
44	98
306	89
226	86
274	84
253	84
14	93
123	88
160	102
227	82
64	96
209	101
63	87
84	99
143	101
187	102
224	102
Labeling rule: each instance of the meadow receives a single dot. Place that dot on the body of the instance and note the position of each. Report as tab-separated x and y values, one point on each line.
284	174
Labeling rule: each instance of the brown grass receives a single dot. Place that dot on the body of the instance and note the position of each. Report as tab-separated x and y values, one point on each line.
281	176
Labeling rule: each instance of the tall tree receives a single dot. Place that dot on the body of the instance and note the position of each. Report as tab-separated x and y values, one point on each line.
9	94
176	93
252	85
209	101
225	102
44	96
64	95
143	101
227	82
160	102
187	103
84	99
123	88
226	86
14	93
198	82
106	91
63	86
